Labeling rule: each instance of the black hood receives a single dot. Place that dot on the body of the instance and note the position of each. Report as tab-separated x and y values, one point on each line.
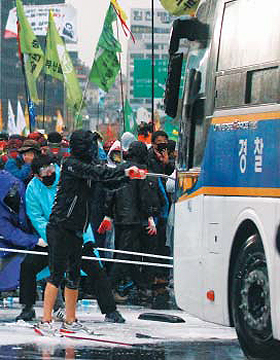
137	152
83	146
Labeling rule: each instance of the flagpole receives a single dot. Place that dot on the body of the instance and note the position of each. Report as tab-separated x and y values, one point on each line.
97	123
153	67
26	91
44	89
21	57
83	98
121	84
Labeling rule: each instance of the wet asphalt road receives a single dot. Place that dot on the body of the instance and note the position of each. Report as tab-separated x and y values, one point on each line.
214	350
191	340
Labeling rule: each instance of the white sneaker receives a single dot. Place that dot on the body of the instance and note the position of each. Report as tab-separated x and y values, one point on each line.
74	327
59	314
45	328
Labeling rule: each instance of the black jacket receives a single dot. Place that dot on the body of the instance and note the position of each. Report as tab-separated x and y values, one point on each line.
133	203
71	207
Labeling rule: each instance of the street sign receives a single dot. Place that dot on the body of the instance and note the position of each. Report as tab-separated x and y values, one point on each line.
142	78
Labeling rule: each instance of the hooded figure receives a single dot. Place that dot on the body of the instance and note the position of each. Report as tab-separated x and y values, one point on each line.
131	209
114	154
69	219
15	230
83	146
126	139
138	153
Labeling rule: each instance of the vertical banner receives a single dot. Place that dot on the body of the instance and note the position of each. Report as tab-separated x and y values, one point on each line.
26	116
11	127
21	124
1	116
59	122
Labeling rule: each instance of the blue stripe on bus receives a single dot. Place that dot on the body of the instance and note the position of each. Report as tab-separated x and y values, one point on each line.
222	162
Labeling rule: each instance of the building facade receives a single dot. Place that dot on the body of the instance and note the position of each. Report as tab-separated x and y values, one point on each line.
12	84
141	27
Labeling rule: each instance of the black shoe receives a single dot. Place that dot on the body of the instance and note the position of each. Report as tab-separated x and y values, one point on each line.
27	314
114	317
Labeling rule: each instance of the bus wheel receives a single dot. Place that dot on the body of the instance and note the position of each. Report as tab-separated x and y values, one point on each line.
250	302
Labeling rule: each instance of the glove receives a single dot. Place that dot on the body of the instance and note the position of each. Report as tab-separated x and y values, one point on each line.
134	172
41	243
105	225
152	230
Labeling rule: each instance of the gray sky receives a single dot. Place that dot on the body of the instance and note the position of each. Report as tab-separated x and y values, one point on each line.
91	15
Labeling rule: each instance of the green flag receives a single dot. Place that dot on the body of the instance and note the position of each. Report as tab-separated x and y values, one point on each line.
106	66
33	55
59	65
129	119
52	63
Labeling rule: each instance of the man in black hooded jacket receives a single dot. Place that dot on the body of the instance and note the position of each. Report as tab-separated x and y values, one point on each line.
131	207
69	220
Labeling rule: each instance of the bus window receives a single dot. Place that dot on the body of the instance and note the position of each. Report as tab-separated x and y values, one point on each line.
247	40
247	68
192	134
262	86
230	90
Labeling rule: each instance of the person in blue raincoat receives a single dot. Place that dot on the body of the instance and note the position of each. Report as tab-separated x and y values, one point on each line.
15	230
40	196
20	166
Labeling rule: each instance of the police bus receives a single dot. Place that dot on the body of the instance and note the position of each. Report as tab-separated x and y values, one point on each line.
227	214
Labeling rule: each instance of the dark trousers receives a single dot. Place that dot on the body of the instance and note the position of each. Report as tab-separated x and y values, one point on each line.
155	245
30	267
127	237
65	256
99	283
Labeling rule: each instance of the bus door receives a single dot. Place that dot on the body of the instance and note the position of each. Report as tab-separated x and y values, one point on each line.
188	229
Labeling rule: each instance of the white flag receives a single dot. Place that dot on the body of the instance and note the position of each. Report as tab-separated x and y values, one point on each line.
11	120
21	125
59	122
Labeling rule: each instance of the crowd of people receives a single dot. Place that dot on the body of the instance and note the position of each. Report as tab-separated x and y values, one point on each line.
69	196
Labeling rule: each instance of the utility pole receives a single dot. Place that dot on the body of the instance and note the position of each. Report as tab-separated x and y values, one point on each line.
153	64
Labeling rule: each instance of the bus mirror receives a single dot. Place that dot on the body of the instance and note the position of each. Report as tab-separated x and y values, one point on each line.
191	29
194	85
173	84
198	111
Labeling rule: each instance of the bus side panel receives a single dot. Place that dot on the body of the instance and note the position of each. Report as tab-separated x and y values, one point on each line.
188	254
220	231
215	260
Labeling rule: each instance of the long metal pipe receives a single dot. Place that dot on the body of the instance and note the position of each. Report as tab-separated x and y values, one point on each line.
153	64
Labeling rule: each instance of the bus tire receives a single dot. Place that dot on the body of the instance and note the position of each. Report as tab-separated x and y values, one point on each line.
250	302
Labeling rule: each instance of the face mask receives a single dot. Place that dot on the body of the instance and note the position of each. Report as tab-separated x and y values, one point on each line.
48	180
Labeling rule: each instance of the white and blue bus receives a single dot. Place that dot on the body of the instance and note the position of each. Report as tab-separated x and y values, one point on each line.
227	214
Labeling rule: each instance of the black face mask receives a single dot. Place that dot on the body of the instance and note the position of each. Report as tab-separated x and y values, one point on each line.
12	199
48	180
